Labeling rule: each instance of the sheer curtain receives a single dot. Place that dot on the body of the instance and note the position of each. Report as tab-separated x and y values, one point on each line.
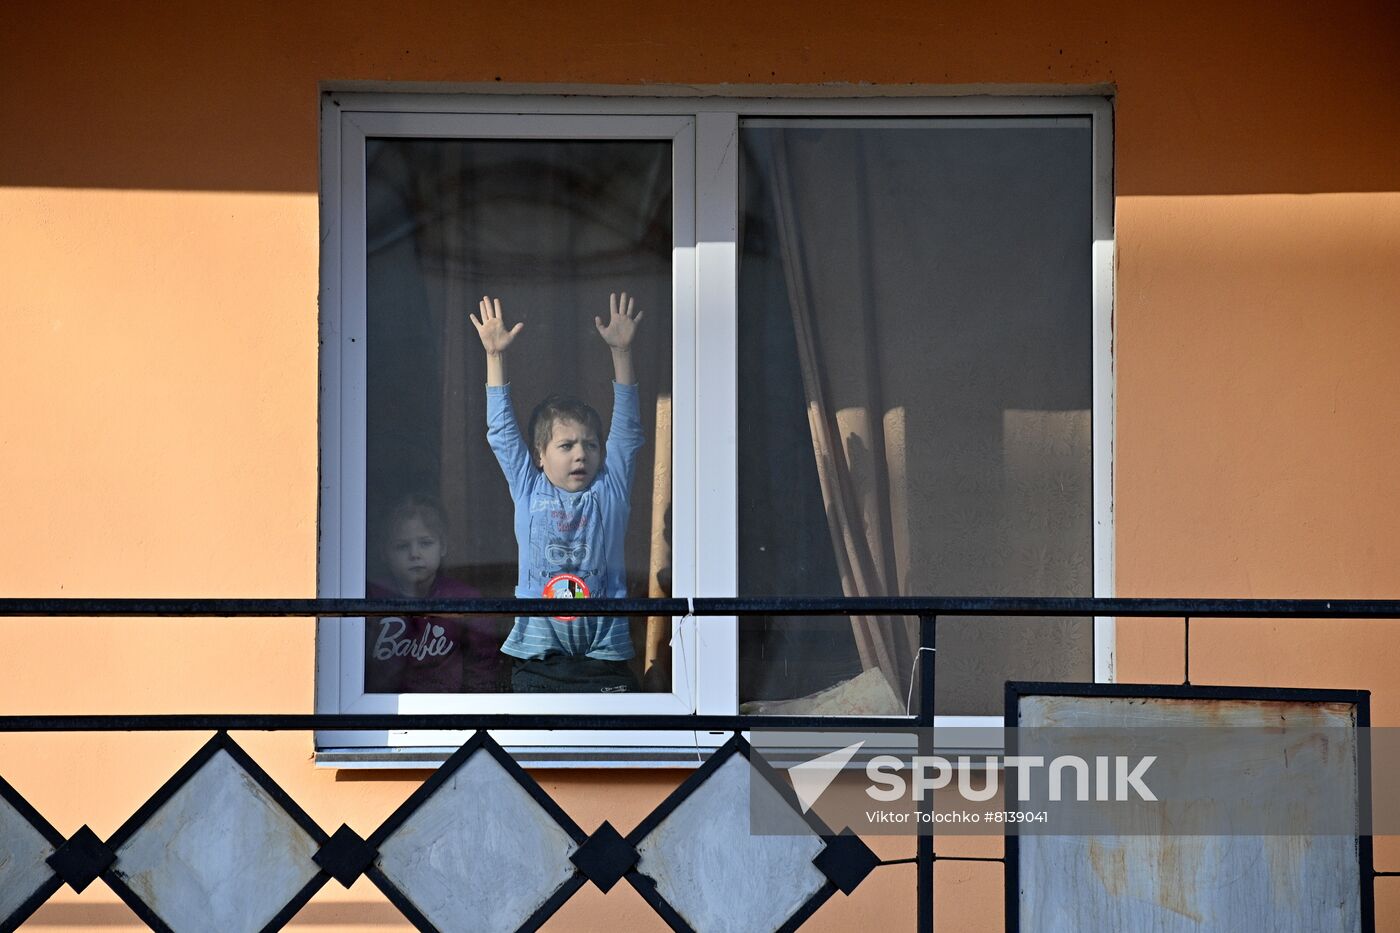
858	446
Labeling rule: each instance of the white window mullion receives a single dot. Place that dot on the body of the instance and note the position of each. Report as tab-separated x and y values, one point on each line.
1105	628
716	402
350	346
684	498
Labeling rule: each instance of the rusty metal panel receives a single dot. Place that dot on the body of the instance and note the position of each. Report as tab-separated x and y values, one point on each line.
1167	883
1189	883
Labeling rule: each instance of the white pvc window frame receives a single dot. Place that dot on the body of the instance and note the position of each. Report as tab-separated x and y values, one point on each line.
703	133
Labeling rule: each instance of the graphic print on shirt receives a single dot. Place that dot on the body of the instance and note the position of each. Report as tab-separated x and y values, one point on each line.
565	586
420	641
563	562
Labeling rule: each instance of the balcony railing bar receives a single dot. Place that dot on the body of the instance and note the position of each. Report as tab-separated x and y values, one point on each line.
708	606
927	609
1055	606
328	608
1186	651
277	722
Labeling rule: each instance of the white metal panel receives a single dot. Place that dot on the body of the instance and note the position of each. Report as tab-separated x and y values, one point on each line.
22	853
716	873
480	853
221	854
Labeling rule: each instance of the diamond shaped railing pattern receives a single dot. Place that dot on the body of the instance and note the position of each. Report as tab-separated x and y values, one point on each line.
700	866
478	846
27	841
219	846
692	852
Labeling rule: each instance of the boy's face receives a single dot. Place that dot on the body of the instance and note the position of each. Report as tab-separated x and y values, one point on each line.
571	458
415	554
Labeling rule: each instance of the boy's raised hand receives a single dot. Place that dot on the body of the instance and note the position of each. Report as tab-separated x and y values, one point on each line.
622	322
491	327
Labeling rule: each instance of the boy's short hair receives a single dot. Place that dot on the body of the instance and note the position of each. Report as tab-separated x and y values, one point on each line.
425	508
557	408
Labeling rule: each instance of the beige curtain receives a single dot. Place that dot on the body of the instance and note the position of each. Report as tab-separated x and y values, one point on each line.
858	445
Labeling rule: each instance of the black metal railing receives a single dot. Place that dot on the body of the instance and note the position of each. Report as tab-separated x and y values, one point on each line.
82	857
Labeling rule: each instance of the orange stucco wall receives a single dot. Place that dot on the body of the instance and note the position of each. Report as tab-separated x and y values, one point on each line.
158	279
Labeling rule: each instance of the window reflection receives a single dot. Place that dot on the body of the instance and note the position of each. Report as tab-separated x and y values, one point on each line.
549	226
915	397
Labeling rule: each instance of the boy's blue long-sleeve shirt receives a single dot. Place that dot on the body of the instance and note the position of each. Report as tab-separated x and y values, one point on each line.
578	533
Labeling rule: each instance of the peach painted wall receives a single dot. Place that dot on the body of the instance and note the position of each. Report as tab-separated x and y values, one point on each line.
158	279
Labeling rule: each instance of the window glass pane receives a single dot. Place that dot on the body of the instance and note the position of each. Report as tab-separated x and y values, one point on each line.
551	228
915	398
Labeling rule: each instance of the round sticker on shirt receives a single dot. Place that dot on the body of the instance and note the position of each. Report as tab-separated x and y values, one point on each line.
565	586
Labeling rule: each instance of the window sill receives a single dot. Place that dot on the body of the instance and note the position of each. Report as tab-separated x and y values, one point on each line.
953	736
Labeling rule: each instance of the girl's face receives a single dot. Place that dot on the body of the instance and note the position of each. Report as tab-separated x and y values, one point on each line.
415	554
